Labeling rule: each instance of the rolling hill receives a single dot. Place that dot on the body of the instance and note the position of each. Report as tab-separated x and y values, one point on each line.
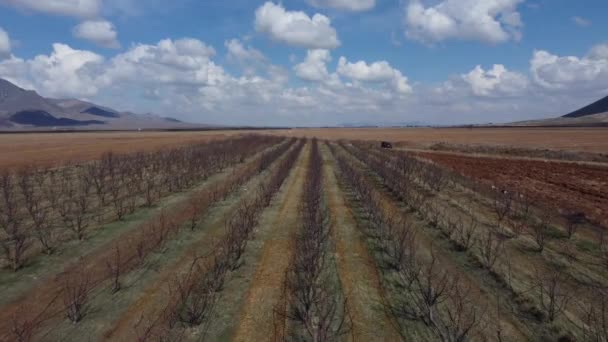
22	109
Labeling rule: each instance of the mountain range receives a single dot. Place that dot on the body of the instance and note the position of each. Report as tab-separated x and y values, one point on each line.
22	109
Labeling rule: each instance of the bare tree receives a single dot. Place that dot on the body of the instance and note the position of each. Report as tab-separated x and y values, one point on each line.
503	204
490	248
521	214
553	296
157	329
22	328
573	221
115	187
76	295
603	253
97	172
432	287
196	297
464	233
26	320
540	231
596	316
150	186
74	204
499	329
459	316
114	268
132	187
435	177
400	244
139	245
433	213
43	229
82	206
15	239
196	206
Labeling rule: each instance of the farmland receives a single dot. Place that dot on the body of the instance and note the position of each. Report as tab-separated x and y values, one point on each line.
305	235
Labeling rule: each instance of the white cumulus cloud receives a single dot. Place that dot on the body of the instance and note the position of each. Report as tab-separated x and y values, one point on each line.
491	21
100	32
295	28
570	72
72	8
375	72
497	81
599	52
314	67
349	5
184	61
249	59
239	52
66	72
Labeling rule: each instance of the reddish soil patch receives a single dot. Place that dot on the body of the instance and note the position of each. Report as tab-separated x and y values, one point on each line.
551	184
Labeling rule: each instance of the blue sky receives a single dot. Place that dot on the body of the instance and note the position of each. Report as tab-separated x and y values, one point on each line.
313	62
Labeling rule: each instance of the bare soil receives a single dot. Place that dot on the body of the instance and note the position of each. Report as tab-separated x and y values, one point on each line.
555	185
574	139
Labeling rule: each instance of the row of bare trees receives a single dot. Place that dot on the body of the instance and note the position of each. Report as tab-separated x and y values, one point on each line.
430	294
193	295
314	302
551	287
486	245
41	208
513	214
76	283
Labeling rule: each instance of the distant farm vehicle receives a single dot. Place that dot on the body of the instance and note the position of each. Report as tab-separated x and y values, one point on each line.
386	144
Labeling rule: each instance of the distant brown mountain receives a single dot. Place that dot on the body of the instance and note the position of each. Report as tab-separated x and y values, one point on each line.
22	109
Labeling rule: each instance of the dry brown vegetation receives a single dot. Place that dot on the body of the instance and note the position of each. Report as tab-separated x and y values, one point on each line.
254	237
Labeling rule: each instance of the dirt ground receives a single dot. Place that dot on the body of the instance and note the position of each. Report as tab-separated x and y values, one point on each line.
575	139
246	312
556	185
24	149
